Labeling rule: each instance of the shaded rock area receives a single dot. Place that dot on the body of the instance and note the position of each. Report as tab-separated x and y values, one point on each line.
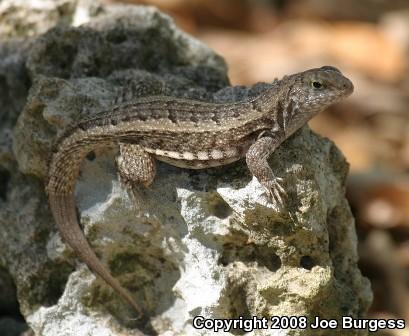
11	322
205	242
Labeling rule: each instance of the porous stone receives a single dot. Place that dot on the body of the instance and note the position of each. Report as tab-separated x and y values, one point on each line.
205	242
27	18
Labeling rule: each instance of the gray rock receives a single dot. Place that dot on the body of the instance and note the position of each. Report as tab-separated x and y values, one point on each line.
8	300
26	18
203	242
11	327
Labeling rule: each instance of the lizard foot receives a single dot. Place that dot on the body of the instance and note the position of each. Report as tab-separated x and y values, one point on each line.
137	196
135	192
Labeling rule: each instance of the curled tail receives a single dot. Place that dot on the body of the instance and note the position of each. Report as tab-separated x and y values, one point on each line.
63	209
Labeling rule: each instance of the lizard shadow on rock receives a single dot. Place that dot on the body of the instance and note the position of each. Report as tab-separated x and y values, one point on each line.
224	174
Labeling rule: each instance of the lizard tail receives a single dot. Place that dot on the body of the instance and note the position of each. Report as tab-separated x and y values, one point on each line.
63	209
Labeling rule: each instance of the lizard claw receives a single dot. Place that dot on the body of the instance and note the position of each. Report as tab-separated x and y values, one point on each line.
277	184
275	191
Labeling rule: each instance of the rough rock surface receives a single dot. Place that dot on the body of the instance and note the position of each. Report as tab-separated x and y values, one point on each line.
204	242
27	18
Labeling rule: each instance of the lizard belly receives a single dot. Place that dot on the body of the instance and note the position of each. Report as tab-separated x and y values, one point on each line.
201	159
195	164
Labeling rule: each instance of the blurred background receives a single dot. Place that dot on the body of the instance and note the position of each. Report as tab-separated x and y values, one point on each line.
369	41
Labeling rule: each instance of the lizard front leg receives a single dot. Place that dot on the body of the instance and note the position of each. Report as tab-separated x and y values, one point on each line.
256	159
136	167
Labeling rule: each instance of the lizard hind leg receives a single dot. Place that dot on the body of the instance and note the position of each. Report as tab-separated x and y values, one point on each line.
136	168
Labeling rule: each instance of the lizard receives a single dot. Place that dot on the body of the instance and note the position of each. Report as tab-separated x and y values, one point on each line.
188	134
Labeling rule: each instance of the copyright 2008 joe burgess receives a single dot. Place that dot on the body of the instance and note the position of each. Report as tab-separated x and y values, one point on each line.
295	322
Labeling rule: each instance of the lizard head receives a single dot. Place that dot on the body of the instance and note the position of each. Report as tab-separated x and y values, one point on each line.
307	93
318	88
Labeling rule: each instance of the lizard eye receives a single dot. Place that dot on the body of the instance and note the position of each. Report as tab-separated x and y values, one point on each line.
316	84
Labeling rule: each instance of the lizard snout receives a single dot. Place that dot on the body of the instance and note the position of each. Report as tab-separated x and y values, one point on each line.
347	86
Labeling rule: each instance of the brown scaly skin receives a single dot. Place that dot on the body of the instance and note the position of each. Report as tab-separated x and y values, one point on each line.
188	134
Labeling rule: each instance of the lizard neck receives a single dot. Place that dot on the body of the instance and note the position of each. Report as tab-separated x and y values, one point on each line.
282	109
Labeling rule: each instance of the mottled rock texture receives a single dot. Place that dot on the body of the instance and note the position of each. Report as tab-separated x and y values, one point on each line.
203	242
